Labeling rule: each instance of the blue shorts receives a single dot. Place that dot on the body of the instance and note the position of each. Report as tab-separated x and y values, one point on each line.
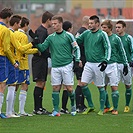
13	75
4	69
24	77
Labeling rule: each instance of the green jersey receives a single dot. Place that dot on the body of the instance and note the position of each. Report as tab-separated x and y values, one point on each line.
117	47
62	46
96	45
127	41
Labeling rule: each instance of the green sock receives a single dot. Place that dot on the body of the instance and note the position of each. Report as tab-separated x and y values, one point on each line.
87	95
115	99
128	95
107	100
55	98
72	97
102	98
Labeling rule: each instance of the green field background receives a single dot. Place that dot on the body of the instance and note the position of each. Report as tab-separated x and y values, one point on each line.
91	123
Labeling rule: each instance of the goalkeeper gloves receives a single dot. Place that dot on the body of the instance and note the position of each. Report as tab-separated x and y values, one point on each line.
103	66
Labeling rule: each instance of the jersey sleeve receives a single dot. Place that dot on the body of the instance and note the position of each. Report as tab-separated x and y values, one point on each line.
122	51
131	46
43	46
107	46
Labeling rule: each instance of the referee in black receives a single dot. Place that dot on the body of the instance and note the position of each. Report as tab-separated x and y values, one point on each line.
40	65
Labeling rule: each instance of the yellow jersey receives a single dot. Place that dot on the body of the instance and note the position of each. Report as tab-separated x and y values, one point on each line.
23	57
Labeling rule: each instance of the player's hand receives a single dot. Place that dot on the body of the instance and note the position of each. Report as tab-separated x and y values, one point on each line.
131	64
35	38
16	65
103	66
125	70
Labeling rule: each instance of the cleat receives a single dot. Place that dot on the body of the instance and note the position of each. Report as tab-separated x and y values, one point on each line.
41	111
3	116
114	112
108	109
111	109
100	112
64	111
73	110
55	113
13	116
127	109
24	114
88	110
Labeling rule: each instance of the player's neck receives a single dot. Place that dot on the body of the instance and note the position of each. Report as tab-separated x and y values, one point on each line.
45	25
122	34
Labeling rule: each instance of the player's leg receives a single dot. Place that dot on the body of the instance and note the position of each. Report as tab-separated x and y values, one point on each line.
128	92
87	76
64	109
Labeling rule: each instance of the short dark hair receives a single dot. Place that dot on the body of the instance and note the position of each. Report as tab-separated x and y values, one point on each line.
46	15
24	21
14	19
95	18
67	25
57	17
6	12
121	22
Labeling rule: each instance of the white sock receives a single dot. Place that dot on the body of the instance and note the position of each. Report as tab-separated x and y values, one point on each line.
1	100
15	93
22	100
9	99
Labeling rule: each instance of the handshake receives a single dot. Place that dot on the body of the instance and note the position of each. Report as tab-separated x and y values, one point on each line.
34	37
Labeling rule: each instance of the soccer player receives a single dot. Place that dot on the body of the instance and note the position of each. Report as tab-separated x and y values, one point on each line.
97	53
78	92
13	72
5	53
40	65
67	26
127	41
24	75
111	72
61	44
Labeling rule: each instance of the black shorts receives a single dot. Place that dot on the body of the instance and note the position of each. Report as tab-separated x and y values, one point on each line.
39	68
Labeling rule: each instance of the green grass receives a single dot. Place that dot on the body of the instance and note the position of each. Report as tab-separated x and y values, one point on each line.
91	123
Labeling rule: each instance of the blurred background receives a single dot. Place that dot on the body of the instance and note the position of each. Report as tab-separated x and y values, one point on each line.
73	10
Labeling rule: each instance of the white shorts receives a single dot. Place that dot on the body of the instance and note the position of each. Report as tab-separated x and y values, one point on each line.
91	73
62	75
127	80
111	75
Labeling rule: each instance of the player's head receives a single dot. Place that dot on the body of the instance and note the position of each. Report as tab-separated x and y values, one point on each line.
85	21
5	14
94	23
57	22
46	18
67	26
120	27
15	21
24	24
107	26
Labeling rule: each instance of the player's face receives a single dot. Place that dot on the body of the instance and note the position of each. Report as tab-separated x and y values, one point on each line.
106	29
49	23
119	29
57	26
93	25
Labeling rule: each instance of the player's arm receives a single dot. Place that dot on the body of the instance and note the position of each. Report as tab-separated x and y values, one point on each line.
18	46
31	51
6	46
131	46
122	51
107	46
43	46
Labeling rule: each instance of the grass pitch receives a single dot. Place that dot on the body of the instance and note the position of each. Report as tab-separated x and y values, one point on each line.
91	123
